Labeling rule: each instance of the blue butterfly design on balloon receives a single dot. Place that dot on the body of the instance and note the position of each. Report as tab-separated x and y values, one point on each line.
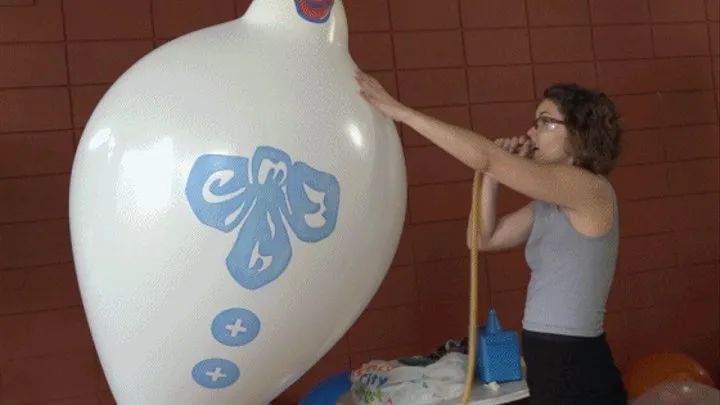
257	196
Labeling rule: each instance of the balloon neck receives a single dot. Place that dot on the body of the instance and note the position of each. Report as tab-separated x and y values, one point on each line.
306	20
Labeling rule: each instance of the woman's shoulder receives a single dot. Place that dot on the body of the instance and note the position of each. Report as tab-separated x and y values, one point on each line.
607	190
600	216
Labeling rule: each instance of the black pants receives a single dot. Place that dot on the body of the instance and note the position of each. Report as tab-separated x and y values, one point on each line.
567	370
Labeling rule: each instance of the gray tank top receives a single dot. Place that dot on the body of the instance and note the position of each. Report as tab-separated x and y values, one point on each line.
571	274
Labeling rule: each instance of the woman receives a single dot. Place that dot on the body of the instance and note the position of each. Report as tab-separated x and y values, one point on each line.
570	230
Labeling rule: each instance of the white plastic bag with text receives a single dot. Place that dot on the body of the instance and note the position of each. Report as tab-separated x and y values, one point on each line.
392	383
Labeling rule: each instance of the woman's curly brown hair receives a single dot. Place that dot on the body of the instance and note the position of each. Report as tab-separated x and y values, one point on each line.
593	125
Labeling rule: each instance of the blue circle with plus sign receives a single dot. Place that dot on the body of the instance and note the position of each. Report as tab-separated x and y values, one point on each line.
235	327
215	373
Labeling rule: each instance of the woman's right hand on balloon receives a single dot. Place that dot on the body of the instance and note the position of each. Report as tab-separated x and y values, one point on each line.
372	91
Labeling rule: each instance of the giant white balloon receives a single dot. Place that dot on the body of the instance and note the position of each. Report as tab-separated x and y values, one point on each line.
234	206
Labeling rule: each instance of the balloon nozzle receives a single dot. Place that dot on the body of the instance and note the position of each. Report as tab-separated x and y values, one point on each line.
493	324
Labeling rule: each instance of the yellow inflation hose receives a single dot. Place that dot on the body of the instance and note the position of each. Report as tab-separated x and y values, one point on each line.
472	333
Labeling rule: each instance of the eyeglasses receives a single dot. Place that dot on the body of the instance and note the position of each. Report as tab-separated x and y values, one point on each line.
548	123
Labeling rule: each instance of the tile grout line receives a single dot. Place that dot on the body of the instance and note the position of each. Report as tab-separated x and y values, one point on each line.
41	311
36	266
391	33
428	107
435	69
456	258
68	79
708	22
528	30
152	20
592	45
378	31
468	95
662	124
400	129
416	147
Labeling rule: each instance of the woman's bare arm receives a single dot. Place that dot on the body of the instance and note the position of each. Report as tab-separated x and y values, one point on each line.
567	186
510	231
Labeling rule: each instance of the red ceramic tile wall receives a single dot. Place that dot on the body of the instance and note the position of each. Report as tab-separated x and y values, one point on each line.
476	63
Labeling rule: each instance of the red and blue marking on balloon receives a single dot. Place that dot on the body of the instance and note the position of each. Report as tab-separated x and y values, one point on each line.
315	11
255	198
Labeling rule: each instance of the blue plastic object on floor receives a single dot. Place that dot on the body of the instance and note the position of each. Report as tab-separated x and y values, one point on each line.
498	353
329	391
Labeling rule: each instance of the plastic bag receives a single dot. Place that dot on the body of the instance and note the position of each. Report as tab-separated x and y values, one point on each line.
392	383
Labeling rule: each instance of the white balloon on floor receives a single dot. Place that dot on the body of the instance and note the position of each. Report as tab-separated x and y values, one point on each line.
234	206
680	393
